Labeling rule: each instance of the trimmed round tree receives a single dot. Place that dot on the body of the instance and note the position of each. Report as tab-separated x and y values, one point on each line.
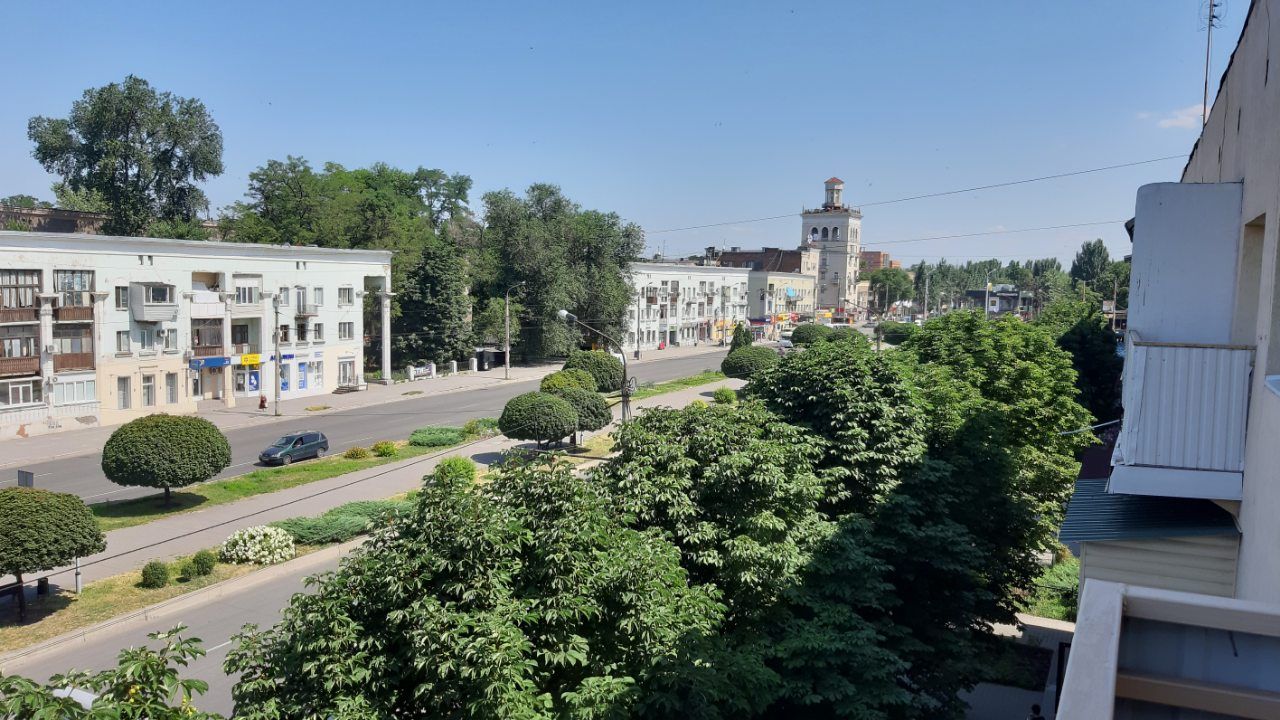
809	333
538	416
747	362
571	378
165	451
605	368
741	337
43	530
593	411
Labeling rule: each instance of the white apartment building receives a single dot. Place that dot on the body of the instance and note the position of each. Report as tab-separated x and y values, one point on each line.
778	300
1180	546
676	305
98	330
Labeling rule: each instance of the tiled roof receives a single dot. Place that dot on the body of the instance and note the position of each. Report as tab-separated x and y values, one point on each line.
1095	514
834	180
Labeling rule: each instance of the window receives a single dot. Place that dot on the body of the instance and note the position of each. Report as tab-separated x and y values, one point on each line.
74	286
283	296
302	376
122	341
76	391
171	388
240	334
246	294
18	288
159	295
123	393
284	377
284	333
825	233
19	341
835	233
20	392
317	374
302	331
346	330
148	390
346	296
171	339
206	333
72	339
301	297
146	340
318	295
317	332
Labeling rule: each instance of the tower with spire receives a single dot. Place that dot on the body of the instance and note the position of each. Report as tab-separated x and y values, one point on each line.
835	230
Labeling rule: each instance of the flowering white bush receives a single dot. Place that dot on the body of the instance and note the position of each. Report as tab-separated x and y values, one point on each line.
261	545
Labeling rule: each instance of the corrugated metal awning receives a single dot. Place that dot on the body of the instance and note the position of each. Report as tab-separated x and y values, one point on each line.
1095	514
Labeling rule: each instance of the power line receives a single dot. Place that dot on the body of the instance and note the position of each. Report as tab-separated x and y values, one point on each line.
995	232
943	193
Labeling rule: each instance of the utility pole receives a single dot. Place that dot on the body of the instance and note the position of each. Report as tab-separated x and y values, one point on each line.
1210	21
1115	305
639	297
986	297
506	326
926	296
280	360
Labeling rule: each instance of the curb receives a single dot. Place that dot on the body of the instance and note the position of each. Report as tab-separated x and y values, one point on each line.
152	612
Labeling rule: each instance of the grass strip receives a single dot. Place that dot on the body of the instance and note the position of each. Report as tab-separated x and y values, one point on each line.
702	378
128	513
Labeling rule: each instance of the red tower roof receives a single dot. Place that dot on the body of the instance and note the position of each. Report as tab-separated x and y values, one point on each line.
835	180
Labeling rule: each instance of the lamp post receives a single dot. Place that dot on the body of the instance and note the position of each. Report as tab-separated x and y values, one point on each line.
506	327
279	361
569	317
986	297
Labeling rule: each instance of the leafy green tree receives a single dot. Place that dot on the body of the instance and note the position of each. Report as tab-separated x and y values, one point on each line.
524	597
1091	263
570	259
433	307
25	201
165	451
888	285
43	530
592	410
1082	331
489	322
142	151
573	377
741	337
538	416
748	362
605	368
85	200
808	333
144	685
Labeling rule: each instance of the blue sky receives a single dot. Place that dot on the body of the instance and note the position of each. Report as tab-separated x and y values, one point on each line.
672	114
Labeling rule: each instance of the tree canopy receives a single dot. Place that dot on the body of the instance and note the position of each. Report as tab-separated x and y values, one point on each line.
165	451
42	531
142	151
1091	263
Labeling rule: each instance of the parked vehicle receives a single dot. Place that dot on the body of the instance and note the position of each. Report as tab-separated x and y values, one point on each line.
784	341
295	446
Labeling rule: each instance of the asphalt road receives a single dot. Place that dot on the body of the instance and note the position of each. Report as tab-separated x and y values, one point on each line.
214	622
82	474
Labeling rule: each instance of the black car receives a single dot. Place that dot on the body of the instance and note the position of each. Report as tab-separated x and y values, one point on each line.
295	446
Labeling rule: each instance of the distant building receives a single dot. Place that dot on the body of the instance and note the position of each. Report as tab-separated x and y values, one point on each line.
873	260
802	260
56	220
834	228
676	304
895	264
1002	300
777	300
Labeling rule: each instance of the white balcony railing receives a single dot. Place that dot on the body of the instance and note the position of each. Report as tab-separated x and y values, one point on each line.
1186	406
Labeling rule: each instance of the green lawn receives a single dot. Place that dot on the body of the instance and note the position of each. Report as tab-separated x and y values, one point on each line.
127	513
702	378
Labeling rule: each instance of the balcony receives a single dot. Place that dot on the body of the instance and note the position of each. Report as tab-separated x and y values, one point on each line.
73	313
207	351
245	349
1186	405
307	310
19	365
153	302
73	361
19	315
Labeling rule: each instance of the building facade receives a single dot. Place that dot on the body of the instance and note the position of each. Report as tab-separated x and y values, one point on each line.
778	300
835	229
676	305
873	260
99	330
802	260
1180	607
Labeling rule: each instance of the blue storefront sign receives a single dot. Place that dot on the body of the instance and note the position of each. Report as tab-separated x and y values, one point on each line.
283	357
208	362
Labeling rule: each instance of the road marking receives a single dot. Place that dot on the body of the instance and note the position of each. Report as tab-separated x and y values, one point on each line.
217	647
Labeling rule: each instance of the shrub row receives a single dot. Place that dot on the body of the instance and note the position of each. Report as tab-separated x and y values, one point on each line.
338	524
156	574
433	437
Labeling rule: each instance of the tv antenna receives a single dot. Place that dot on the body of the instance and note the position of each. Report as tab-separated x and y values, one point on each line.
1211	12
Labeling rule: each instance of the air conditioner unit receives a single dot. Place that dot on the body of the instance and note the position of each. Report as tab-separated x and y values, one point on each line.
161	332
188	355
49	349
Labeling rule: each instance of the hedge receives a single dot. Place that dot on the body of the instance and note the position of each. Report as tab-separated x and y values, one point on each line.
437	436
896	333
593	411
747	362
605	368
165	451
570	378
809	333
538	416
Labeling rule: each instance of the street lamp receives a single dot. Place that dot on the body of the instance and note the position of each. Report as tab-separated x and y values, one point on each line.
569	317
506	325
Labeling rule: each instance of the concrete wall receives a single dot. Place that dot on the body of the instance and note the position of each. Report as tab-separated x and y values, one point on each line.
1241	143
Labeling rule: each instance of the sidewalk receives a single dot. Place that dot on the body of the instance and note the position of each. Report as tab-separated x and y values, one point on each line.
130	548
21	451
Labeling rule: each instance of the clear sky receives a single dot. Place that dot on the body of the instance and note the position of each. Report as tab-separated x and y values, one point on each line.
672	113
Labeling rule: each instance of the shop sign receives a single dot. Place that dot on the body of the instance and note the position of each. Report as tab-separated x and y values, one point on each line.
251	359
